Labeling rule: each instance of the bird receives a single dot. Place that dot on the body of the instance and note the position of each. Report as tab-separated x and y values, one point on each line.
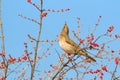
69	46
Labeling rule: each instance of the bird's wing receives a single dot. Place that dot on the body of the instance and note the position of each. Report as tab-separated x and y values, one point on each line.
86	55
72	43
77	49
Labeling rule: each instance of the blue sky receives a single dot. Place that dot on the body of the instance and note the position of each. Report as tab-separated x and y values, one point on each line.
16	28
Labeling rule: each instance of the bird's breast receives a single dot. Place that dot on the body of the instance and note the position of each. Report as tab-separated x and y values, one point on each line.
66	46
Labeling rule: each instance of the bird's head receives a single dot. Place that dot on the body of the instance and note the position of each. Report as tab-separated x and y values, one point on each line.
65	29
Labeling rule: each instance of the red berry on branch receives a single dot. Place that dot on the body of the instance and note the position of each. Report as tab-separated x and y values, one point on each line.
112	51
59	78
28	0
81	41
110	28
44	14
25	43
95	45
19	59
116	60
104	68
78	18
101	76
24	58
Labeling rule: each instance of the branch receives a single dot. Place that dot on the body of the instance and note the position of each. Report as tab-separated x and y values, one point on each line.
30	19
113	74
3	49
62	67
37	43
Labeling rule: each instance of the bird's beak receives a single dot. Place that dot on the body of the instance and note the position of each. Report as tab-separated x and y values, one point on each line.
65	29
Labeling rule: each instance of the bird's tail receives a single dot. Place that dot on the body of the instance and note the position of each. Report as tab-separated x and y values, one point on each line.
86	55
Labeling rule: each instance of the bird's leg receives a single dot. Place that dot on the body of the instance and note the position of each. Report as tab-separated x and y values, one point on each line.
75	54
91	47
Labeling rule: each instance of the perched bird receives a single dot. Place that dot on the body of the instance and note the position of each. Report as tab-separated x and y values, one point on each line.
69	46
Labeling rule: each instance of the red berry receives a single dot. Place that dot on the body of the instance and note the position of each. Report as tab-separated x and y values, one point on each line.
116	60
104	68
101	76
43	14
28	0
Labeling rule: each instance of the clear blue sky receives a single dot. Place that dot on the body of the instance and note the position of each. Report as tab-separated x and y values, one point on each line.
16	28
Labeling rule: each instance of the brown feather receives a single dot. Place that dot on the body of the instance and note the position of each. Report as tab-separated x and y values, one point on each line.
69	46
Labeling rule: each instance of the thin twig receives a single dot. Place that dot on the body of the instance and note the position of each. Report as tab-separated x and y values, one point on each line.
113	74
37	44
36	6
3	44
30	19
61	68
